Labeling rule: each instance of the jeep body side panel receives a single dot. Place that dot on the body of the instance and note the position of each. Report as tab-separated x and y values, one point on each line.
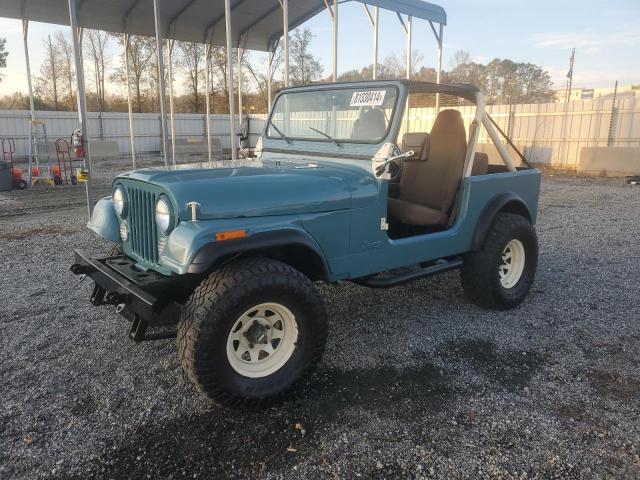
372	251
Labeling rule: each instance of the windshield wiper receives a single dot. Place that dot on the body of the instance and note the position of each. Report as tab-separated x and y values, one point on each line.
326	136
282	135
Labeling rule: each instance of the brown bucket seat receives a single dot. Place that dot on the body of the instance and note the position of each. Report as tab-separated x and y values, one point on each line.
429	184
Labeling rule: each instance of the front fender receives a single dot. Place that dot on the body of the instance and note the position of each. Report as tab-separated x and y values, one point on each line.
191	247
104	220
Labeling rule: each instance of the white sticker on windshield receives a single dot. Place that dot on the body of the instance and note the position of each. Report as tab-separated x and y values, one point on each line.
369	98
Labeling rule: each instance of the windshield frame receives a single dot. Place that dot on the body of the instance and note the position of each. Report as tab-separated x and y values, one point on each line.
329	87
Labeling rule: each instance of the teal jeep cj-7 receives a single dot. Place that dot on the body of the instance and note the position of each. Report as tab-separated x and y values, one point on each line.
345	185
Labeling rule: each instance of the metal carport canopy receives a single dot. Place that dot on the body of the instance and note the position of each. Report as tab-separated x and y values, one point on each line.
188	20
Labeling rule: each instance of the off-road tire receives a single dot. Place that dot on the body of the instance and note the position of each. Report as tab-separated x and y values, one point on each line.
479	273
211	312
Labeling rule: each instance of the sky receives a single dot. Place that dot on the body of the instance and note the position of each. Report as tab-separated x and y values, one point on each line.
605	35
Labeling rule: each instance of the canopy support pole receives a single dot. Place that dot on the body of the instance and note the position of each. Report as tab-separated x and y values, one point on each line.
207	86
373	19
239	52
132	137
241	43
285	29
161	87
408	30
439	70
334	17
232	125
82	102
376	17
335	40
25	34
272	50
171	109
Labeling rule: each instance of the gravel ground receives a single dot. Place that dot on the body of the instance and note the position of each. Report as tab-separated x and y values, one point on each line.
416	382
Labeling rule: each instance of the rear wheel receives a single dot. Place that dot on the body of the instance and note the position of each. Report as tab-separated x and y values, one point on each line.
500	274
250	331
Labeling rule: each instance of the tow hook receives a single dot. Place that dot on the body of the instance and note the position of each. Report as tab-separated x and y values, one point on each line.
101	297
79	269
115	298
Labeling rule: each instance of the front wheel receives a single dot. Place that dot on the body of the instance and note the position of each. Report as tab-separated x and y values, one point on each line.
250	331
500	274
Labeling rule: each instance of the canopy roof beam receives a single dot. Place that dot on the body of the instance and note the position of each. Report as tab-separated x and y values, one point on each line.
174	19
211	26
128	12
185	20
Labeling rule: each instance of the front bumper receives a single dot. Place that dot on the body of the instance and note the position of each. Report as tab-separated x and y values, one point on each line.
118	281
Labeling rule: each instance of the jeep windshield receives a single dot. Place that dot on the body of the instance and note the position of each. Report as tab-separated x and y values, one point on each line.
337	115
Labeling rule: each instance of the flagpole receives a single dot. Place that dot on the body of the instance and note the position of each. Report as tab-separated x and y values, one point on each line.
570	74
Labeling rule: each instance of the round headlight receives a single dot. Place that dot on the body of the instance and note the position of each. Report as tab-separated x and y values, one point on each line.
163	215
119	202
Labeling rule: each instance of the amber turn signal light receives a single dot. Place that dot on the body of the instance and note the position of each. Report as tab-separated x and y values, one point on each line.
230	235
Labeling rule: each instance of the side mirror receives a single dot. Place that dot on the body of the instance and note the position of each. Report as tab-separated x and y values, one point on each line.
387	150
384	171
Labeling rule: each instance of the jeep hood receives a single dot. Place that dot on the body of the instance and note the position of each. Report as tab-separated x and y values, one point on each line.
259	189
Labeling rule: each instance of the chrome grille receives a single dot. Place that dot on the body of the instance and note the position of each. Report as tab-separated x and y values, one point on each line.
142	226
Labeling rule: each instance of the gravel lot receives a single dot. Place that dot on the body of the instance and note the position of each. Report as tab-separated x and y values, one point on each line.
416	382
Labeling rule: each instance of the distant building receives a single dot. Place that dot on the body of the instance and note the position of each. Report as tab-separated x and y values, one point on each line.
597	93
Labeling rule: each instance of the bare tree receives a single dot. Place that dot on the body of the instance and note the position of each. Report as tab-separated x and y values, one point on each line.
140	53
260	77
394	67
3	55
460	57
65	49
48	84
219	74
98	42
190	62
304	67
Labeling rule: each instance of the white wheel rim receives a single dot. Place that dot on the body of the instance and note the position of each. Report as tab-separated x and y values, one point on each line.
511	263
262	340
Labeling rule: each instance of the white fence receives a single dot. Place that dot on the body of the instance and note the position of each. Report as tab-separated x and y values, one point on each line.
554	133
551	134
115	127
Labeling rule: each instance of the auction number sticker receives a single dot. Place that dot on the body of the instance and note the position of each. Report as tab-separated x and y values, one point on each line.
368	98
